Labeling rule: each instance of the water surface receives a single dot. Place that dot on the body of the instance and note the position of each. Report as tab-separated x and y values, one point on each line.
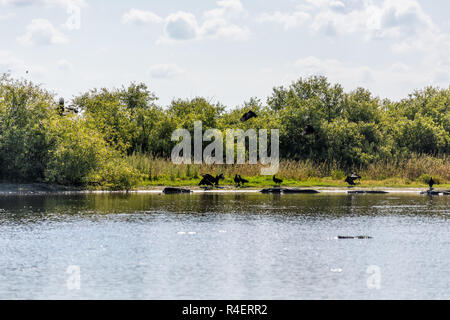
224	246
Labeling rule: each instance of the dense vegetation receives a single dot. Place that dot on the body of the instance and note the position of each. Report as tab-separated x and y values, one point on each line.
120	133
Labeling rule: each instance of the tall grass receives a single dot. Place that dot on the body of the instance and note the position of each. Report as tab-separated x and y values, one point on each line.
416	169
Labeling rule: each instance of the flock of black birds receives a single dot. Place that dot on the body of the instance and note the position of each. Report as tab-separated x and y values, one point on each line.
211	181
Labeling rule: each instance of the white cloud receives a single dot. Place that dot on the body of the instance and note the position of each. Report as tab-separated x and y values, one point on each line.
289	20
165	71
66	3
395	80
216	23
219	29
181	26
403	24
18	2
63	3
390	19
41	32
141	17
225	8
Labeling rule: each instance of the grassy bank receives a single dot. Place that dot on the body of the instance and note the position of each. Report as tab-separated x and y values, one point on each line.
407	173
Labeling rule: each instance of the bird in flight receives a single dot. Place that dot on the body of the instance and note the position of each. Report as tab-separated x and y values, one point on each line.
247	116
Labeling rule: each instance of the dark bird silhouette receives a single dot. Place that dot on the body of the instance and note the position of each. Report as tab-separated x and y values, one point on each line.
206	182
276	180
213	180
309	129
431	183
247	116
237	180
350	180
243	181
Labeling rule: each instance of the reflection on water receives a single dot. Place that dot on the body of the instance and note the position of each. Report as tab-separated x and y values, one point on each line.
224	246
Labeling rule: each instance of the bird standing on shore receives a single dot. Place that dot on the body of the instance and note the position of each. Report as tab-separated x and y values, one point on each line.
242	180
212	180
237	180
276	180
351	179
206	182
431	183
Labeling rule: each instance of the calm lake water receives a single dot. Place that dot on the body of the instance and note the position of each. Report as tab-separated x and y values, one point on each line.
224	246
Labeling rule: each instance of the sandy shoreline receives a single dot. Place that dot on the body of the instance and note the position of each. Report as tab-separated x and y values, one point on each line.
39	188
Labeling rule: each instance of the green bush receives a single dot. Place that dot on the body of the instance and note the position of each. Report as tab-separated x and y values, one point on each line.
39	145
337	174
425	178
80	156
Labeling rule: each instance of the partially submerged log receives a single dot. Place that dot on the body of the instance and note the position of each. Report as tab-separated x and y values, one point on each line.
272	190
367	192
303	191
289	191
172	190
354	237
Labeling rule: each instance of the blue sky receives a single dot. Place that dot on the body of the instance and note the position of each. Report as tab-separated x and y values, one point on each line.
227	50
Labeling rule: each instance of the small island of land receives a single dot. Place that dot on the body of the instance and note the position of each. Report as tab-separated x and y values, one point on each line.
120	139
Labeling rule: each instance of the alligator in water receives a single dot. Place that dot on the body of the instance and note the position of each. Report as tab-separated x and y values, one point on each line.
290	190
170	190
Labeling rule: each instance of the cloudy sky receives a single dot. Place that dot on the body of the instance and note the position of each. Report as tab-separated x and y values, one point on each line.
227	50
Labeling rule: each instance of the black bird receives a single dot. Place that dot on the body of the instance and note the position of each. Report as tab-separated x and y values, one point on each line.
309	129
213	180
206	182
237	180
276	180
350	180
247	116
431	183
242	180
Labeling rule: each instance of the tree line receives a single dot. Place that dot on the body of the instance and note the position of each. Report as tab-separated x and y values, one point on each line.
89	148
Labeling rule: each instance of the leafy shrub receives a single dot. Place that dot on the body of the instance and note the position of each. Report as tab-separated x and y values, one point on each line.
425	178
337	174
